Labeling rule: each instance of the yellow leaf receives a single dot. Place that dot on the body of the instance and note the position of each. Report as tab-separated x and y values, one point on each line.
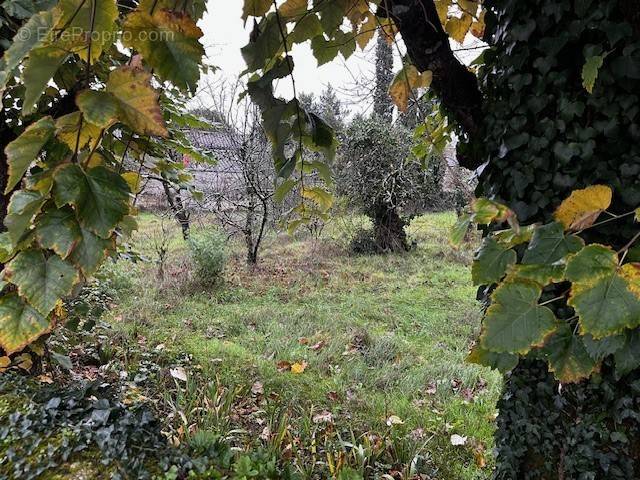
404	82
394	420
5	362
298	367
319	196
457	28
293	8
25	362
388	29
133	180
67	131
631	273
255	8
478	26
583	207
442	7
367	31
637	215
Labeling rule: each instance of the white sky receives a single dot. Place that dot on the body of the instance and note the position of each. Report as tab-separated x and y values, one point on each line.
225	35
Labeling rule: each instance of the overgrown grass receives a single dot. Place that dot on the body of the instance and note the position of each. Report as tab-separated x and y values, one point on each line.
383	339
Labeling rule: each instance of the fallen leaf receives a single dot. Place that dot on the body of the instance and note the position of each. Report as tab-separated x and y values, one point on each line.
394	420
178	373
458	440
317	346
266	433
432	388
324	416
303	341
299	367
283	366
333	396
257	388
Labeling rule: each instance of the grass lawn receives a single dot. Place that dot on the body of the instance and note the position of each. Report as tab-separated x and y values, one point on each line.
328	359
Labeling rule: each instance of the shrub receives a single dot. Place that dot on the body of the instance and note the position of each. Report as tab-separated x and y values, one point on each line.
209	255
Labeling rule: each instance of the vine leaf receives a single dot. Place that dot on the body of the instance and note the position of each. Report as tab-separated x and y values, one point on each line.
583	207
24	150
168	41
515	322
569	360
24	204
549	244
319	196
41	281
99	195
67	128
599	349
405	81
255	8
293	8
541	274
503	362
30	35
90	251
129	98
20	324
491	262
88	23
627	358
599	294
58	230
42	64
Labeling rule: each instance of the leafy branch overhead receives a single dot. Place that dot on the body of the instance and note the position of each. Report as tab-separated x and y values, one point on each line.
83	110
538	268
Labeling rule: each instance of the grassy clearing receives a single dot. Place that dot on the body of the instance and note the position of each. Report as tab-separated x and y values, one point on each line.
382	339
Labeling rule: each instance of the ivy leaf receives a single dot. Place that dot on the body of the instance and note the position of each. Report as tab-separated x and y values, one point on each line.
28	37
583	207
255	8
42	64
168	41
24	204
590	71
549	244
491	262
503	362
24	150
20	324
568	357
58	230
41	281
99	195
404	82
514	323
129	98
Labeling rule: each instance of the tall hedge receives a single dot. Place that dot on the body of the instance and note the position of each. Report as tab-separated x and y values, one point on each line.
543	136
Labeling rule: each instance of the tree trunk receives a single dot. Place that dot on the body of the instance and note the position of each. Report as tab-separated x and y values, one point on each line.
544	135
180	213
388	230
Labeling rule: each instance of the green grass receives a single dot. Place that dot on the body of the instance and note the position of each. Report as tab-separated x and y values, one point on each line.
390	328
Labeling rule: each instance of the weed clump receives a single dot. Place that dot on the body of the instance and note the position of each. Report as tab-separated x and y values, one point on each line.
209	255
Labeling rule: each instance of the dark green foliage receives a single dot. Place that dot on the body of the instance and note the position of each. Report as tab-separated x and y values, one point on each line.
539	437
543	132
84	430
378	173
544	136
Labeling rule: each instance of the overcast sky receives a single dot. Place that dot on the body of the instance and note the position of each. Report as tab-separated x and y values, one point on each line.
225	34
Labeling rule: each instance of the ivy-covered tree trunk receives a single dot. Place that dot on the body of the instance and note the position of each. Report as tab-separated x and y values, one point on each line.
544	135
